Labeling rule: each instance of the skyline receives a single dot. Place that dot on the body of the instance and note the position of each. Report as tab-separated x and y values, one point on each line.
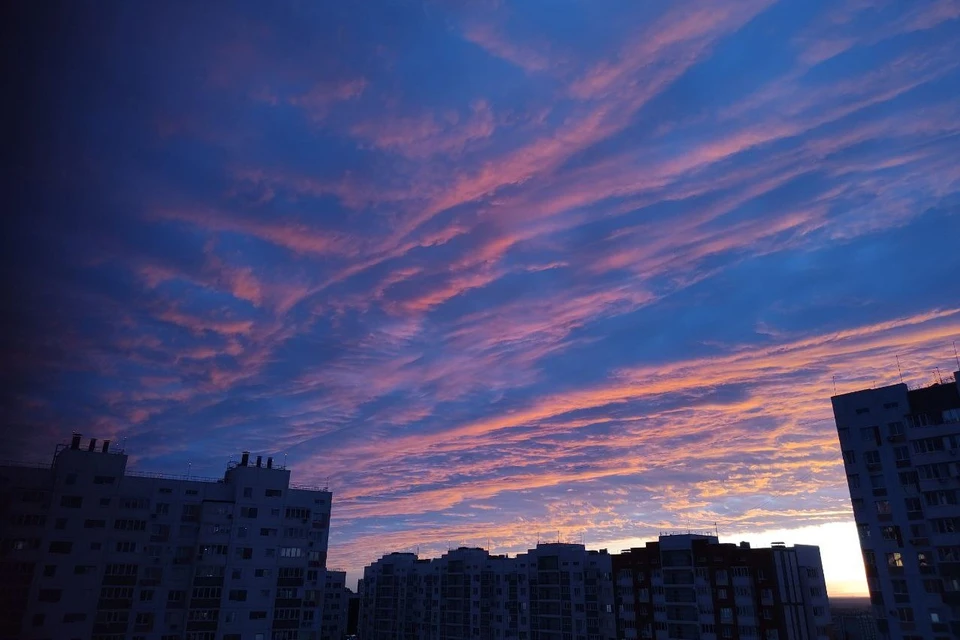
491	269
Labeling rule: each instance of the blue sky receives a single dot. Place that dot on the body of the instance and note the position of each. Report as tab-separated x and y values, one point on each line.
490	269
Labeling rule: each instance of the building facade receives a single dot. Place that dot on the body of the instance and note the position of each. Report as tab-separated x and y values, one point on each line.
901	454
336	596
690	586
552	592
90	550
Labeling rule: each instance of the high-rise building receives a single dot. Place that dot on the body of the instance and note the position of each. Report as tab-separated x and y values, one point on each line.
552	592
901	453
92	550
333	624
691	586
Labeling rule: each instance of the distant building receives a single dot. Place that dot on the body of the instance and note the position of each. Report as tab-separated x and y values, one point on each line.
691	586
553	592
353	612
91	550
901	452
853	620
333	624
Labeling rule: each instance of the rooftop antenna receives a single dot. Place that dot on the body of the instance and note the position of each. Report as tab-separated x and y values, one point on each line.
716	529
834	384
284	461
938	375
899	369
955	355
189	465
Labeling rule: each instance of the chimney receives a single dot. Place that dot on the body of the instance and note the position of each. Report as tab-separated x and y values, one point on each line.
106	446
259	459
75	441
245	459
93	445
270	462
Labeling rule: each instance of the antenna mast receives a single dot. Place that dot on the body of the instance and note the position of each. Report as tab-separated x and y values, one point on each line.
899	369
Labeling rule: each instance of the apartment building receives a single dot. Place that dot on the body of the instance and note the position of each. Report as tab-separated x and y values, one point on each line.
690	586
901	453
552	592
89	549
333	623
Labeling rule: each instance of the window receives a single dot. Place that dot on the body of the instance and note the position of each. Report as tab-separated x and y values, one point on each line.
126	547
60	546
268	532
291	552
176	596
895	429
891	405
853	480
850	456
258	615
901	454
905	614
248	512
945	525
908	478
899	586
871	457
923	559
135	503
273	493
894	559
71	502
238	595
49	595
162	509
94	524
103	479
863	530
883	506
146	595
948	554
890	533
297	512
870	434
130	525
940	498
863	410
913	504
104	502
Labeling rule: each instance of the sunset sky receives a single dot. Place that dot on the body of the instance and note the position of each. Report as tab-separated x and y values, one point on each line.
493	270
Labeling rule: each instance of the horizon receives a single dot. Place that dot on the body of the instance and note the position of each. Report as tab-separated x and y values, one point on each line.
486	269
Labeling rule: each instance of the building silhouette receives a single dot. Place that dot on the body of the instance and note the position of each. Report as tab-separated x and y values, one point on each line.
553	592
691	586
901	454
91	550
681	586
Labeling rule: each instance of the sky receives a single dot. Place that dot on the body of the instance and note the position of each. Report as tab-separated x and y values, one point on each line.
492	271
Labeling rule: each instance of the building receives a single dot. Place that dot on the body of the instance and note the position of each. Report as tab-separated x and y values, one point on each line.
852	619
333	624
901	454
691	586
552	592
91	550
